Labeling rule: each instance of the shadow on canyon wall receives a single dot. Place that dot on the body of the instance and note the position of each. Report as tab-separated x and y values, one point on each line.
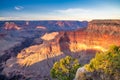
42	68
64	44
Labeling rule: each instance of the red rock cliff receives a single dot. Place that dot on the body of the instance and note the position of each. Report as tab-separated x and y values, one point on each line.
37	60
105	25
75	41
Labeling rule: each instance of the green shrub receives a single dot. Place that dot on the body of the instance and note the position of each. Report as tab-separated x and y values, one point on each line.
65	69
107	64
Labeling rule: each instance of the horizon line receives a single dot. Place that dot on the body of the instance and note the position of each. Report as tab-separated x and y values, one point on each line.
53	20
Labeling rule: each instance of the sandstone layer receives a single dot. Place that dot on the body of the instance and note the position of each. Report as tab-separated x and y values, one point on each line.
36	61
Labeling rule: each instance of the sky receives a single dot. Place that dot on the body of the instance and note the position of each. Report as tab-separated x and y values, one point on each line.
59	9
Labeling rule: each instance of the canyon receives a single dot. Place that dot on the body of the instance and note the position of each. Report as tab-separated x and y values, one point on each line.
49	41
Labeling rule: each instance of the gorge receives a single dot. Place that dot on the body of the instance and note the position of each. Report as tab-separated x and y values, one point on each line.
53	40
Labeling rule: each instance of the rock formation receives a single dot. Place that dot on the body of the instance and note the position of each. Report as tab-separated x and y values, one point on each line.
36	61
11	25
112	26
44	25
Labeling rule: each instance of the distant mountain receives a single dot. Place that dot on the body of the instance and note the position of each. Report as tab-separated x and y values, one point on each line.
10	26
49	25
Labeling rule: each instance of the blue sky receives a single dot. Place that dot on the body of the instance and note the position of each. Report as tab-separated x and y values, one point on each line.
59	9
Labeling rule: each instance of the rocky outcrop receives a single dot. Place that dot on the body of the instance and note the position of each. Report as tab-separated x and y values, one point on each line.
41	27
49	36
111	26
11	26
36	61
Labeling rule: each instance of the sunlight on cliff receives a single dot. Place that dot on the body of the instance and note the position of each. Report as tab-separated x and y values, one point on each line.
80	46
11	25
35	54
99	48
41	27
34	58
49	36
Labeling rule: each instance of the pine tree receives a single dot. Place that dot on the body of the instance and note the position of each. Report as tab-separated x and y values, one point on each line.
65	69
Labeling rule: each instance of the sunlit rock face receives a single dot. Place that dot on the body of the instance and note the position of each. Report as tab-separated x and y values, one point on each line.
37	60
50	36
41	27
110	26
11	25
92	37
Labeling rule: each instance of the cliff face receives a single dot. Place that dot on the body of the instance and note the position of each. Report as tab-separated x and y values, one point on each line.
37	60
98	35
13	33
110	26
11	25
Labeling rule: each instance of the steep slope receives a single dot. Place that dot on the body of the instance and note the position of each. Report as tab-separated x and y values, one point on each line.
36	61
111	26
13	33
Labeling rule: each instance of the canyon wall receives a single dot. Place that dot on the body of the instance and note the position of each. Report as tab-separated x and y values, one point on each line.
111	26
36	61
91	37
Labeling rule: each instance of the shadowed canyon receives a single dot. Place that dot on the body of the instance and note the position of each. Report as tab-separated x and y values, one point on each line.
29	49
